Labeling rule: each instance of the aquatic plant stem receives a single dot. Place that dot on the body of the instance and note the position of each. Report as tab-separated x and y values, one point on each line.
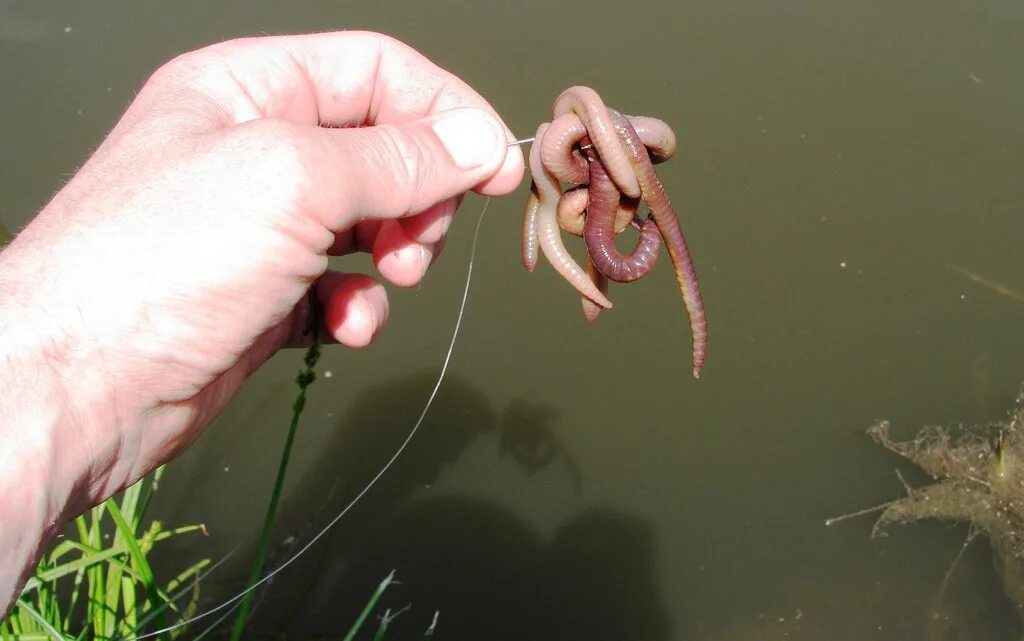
304	380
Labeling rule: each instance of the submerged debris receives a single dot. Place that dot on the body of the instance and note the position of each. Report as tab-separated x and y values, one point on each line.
979	479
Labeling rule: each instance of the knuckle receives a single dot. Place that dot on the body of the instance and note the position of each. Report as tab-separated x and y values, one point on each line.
404	159
183	68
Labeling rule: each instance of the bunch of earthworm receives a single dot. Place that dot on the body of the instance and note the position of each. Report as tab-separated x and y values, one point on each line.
607	159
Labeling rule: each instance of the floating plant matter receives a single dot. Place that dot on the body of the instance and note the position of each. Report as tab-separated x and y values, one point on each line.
979	479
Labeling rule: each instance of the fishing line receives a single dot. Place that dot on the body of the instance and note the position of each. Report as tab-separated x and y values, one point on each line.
386	466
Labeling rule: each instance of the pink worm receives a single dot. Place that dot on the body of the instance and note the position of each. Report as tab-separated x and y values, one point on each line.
542	217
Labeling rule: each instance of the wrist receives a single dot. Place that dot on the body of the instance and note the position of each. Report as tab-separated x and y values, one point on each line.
37	486
53	392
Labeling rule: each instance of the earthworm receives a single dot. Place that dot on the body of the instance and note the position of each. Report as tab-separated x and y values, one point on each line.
559	153
558	150
590	308
611	180
657	199
546	188
573	205
585	103
530	239
568	131
598	231
657	136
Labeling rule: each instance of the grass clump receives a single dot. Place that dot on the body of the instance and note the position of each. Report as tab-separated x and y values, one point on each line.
97	582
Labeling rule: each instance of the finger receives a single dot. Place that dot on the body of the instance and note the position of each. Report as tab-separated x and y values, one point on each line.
355	307
431	225
400	259
357	238
428	227
340	79
392	171
437	249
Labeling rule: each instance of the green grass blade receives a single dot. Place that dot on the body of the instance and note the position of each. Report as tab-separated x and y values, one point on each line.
147	493
382	629
174	597
429	634
139	562
53	632
97	575
62	549
76	592
129	603
91	556
385	622
129	501
388	580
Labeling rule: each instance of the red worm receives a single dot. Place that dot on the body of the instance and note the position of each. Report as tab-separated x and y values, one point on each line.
657	199
599	232
590	308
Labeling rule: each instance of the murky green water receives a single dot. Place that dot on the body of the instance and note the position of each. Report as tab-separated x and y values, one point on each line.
840	166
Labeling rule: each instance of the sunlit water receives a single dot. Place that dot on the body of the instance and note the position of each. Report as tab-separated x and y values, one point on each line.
840	169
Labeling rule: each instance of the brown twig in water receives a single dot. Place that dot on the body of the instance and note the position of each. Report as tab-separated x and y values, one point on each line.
998	288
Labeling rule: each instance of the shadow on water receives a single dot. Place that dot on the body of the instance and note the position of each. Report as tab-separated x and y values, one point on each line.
483	567
527	437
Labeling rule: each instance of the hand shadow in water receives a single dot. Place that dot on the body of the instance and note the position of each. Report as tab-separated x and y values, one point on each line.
488	572
527	438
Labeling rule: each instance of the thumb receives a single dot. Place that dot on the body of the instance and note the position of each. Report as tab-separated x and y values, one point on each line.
388	171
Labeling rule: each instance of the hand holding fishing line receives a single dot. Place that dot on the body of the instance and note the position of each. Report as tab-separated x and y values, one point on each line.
178	259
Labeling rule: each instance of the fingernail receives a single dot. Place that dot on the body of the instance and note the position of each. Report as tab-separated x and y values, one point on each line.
472	137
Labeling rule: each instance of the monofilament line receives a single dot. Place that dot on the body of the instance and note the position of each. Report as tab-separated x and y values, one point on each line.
383	469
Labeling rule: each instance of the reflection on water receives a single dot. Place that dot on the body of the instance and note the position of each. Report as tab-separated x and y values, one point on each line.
573	480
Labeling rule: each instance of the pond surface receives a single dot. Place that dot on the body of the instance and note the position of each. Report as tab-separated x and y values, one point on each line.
850	184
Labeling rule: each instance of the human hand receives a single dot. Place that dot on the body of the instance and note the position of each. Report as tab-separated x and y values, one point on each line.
178	259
